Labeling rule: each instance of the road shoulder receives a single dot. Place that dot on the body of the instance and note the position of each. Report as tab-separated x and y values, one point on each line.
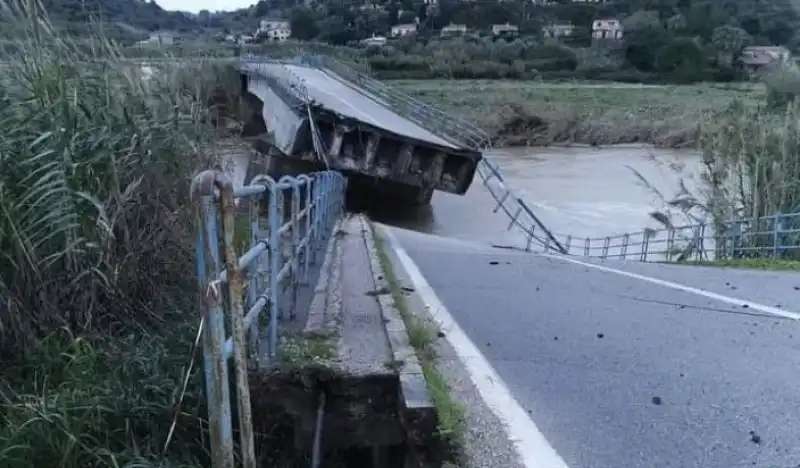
485	443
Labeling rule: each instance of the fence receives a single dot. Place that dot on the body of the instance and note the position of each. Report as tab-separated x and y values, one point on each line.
282	224
776	237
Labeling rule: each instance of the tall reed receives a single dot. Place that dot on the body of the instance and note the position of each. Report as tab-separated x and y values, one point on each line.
752	161
96	274
95	159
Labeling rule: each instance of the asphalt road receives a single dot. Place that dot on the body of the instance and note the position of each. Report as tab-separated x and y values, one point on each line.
339	97
617	371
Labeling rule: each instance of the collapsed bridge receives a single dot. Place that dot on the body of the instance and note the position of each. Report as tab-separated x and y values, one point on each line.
317	113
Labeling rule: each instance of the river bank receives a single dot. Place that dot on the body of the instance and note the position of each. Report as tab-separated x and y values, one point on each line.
520	113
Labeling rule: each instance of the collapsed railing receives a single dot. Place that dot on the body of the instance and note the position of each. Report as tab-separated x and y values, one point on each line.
286	224
522	217
773	237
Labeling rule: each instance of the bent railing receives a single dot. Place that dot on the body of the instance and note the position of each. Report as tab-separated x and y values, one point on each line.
520	214
774	237
251	259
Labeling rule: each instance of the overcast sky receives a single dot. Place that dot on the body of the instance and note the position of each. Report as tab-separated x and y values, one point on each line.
211	5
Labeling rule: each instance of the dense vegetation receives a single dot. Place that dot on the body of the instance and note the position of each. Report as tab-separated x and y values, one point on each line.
98	313
675	40
665	40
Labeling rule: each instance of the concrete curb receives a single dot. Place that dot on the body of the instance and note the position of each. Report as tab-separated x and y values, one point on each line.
418	410
325	311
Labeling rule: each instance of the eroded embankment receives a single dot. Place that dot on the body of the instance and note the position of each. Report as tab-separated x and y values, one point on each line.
517	126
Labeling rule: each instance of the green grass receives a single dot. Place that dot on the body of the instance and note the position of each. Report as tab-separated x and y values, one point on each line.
303	349
422	336
519	112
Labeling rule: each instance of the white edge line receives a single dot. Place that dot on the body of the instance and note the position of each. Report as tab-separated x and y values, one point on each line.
531	446
681	287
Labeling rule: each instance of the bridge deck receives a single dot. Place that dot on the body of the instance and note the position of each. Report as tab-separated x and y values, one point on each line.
337	96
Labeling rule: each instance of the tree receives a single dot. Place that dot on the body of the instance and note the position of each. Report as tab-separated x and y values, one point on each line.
729	38
682	59
728	41
645	36
261	9
304	26
393	11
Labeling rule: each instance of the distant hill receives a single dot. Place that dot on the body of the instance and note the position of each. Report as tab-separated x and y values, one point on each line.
122	19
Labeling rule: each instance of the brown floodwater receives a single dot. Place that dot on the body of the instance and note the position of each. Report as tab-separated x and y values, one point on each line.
579	191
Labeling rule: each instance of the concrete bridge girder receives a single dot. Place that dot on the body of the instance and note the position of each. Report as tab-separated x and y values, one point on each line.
396	162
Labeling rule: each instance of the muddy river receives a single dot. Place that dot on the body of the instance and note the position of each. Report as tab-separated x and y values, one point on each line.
581	191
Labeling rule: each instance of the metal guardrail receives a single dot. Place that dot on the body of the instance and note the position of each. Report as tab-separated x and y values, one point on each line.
287	222
774	237
522	217
289	81
427	116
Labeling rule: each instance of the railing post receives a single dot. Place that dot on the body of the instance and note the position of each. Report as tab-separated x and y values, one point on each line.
670	243
625	240
214	363
235	293
701	241
295	227
776	221
645	245
255	282
529	239
274	267
308	247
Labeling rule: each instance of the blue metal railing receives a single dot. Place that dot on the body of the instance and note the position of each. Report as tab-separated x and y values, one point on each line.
286	223
776	237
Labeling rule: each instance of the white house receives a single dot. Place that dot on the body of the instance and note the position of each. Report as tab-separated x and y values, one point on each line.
401	30
374	41
505	30
159	37
557	30
274	29
454	30
607	29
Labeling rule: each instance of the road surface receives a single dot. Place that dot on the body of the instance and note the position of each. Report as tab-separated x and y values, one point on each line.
596	366
340	97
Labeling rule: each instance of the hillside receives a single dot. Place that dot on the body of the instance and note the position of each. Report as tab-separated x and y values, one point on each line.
126	19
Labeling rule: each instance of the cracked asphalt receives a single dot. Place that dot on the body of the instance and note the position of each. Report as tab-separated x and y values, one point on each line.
619	372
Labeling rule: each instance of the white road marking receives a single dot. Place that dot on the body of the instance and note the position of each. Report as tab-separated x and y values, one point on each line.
533	449
681	287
